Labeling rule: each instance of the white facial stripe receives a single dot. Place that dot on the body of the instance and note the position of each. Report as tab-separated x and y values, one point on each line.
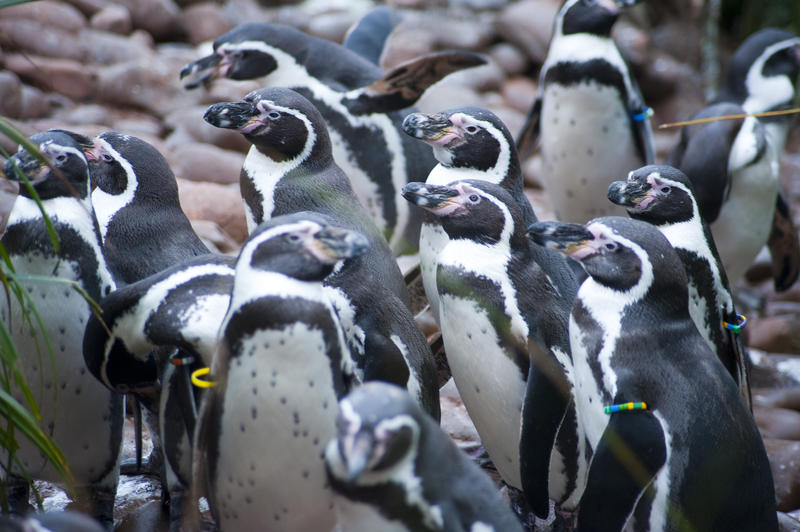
107	205
51	149
764	93
251	245
499	171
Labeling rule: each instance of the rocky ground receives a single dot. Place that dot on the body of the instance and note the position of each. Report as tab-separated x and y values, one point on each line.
97	65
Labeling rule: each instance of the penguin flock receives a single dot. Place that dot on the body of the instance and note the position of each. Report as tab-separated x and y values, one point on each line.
289	386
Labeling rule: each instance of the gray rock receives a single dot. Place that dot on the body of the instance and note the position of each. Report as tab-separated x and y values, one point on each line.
784	460
775	334
107	48
33	37
72	79
407	42
187	126
57	15
219	203
160	18
529	25
331	26
214	237
204	22
11	103
205	162
89	7
510	58
149	85
84	114
445	95
519	93
114	19
139	125
35	103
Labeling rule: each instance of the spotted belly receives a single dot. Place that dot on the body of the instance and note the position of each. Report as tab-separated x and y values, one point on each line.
278	412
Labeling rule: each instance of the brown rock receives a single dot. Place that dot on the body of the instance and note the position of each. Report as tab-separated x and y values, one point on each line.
141	126
57	15
85	114
445	95
89	7
784	460
114	19
519	93
472	33
214	237
509	58
777	397
106	48
407	42
331	26
159	18
775	334
11	104
219	203
35	103
188	126
36	38
204	22
777	423
73	79
529	25
141	84
204	162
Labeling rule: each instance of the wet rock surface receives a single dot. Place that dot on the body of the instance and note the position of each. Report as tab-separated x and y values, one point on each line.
95	65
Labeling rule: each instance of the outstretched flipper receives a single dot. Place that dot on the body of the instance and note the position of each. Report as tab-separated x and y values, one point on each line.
784	247
626	460
403	85
368	36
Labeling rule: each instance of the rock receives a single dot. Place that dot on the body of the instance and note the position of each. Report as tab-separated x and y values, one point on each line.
35	103
106	48
89	7
219	203
446	95
140	125
775	334
35	38
214	237
48	13
529	25
632	42
159	18
85	114
407	42
204	22
509	58
146	85
519	93
461	33
188	126
10	95
204	162
777	423
114	19
488	77
532	171
777	398
331	26
73	79
784	460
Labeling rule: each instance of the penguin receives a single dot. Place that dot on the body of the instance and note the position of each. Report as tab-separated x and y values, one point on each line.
762	76
589	117
281	367
81	416
663	196
495	300
734	174
389	454
473	143
368	36
361	104
288	169
144	232
62	521
647	382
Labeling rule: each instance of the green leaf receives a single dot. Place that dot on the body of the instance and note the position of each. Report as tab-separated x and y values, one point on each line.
9	3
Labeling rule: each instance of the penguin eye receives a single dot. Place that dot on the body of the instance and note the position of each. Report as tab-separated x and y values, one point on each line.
471	129
107	158
664	189
611	246
293	238
474	198
61	158
273	115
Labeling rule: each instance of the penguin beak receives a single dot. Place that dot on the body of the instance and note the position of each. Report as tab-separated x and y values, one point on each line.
573	240
434	129
203	71
241	116
356	451
630	194
33	166
438	199
332	244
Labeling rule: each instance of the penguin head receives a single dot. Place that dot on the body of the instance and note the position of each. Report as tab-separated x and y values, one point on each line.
596	17
470	209
470	138
378	434
281	123
619	253
300	246
122	164
656	194
58	169
248	51
764	71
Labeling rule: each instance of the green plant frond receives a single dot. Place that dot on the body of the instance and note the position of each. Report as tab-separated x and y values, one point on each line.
9	3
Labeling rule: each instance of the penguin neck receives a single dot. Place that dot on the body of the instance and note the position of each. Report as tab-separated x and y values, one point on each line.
251	284
582	48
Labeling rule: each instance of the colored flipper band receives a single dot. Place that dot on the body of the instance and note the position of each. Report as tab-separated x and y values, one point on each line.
737	327
181	361
624	406
200	383
643	114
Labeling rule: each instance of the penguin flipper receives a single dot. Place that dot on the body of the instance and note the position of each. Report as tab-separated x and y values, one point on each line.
403	85
631	451
529	134
784	247
545	404
640	125
367	37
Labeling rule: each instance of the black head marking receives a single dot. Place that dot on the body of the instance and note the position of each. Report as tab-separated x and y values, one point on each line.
656	194
588	16
67	174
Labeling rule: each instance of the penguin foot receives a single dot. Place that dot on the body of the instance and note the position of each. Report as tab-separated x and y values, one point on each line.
149	466
519	505
18	494
97	502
